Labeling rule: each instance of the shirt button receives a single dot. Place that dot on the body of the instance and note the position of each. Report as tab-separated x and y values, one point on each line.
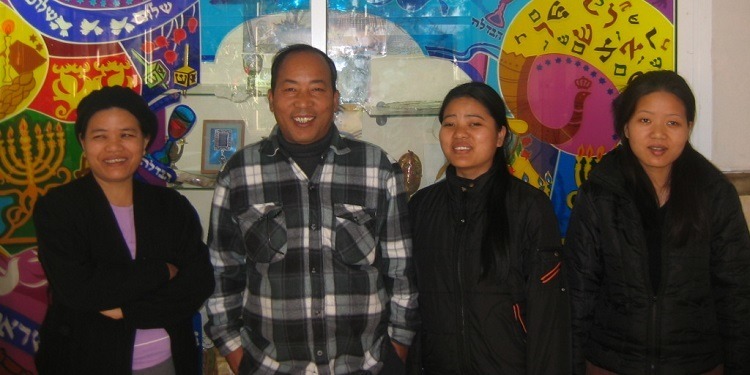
311	187
313	226
314	270
463	221
319	353
317	312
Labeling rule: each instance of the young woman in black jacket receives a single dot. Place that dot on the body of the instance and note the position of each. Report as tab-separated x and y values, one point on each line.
657	249
486	253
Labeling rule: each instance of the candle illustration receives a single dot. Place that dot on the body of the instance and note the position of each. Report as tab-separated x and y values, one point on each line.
7	27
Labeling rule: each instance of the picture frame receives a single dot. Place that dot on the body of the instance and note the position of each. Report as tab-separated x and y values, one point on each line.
221	139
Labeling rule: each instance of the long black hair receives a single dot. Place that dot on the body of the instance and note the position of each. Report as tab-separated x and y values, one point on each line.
495	252
685	212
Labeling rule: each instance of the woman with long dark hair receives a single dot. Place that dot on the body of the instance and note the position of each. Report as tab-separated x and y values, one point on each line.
657	249
486	251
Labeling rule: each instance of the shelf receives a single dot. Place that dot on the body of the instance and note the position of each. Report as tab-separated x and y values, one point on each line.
231	92
187	187
204	89
193	180
382	110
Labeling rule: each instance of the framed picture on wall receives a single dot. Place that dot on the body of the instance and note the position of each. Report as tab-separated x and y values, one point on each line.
221	139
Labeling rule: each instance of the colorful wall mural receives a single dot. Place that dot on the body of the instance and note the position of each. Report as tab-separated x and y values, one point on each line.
558	65
52	53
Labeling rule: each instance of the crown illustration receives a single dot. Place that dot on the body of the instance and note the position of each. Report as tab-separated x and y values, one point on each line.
583	83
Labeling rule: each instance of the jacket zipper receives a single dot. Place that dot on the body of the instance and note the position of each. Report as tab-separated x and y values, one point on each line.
461	297
652	360
652	349
652	355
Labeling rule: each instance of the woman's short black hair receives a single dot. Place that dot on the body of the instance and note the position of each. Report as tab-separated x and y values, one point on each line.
116	97
297	48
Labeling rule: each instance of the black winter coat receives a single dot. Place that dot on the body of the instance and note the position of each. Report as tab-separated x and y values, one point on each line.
520	326
89	268
700	316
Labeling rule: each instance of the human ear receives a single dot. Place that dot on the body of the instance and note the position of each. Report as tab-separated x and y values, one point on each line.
501	136
146	140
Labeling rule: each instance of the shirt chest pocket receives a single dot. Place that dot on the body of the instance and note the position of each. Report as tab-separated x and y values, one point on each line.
263	228
354	234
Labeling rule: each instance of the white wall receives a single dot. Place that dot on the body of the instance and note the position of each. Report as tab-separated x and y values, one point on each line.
731	84
712	41
694	63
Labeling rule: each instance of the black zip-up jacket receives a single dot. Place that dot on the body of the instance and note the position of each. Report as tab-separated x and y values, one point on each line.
488	327
700	316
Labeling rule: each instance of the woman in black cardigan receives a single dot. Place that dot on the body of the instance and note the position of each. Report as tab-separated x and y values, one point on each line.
125	261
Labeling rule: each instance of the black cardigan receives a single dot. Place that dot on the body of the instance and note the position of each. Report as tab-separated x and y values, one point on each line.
89	268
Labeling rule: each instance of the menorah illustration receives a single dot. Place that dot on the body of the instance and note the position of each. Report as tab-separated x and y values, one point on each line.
586	160
28	170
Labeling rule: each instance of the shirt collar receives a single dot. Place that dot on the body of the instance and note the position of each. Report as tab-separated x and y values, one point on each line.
270	145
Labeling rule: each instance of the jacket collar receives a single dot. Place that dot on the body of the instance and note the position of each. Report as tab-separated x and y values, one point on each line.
462	188
608	171
98	194
97	201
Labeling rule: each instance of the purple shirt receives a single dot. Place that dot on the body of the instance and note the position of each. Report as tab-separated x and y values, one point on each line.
151	346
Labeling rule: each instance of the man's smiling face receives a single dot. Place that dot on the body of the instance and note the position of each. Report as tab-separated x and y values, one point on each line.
304	100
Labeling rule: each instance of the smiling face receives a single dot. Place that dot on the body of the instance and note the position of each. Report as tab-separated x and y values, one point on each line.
657	132
114	145
304	99
469	137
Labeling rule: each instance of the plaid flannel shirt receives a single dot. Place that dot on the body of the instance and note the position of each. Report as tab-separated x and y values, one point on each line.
312	275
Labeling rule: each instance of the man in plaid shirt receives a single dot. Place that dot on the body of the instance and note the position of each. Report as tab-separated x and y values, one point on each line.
310	241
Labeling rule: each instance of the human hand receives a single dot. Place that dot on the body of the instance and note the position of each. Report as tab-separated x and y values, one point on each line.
172	270
401	350
115	313
233	360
